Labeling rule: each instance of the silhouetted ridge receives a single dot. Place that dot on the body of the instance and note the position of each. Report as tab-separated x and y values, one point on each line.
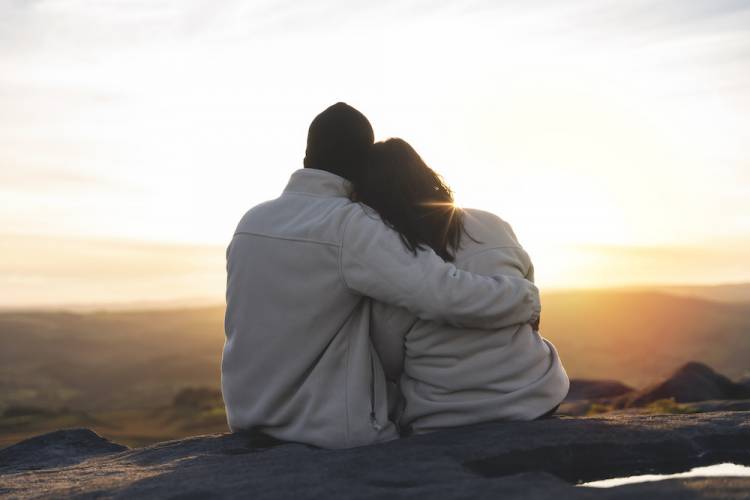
587	389
691	382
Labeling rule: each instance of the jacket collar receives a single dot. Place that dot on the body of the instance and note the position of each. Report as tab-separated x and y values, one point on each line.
318	183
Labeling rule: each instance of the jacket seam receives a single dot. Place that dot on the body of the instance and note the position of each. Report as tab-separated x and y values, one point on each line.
314	195
341	253
346	392
287	238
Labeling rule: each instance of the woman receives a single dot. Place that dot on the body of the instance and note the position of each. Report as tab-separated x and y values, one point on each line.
450	376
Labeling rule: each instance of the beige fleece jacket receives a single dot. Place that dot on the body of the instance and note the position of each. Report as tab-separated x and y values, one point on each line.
298	362
453	376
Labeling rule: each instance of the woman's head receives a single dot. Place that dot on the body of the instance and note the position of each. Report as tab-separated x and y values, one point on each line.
411	198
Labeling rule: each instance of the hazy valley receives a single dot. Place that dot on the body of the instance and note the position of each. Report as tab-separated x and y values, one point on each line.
120	372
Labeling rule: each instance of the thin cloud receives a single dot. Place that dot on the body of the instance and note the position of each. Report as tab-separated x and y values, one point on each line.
16	177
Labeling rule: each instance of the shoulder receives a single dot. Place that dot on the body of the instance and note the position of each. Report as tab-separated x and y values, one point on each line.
362	219
362	211
484	217
365	232
258	211
483	225
314	218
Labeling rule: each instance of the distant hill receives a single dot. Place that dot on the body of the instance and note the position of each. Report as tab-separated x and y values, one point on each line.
107	360
737	292
639	337
585	389
690	383
194	410
140	359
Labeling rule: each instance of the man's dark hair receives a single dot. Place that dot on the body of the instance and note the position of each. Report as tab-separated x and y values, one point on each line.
338	141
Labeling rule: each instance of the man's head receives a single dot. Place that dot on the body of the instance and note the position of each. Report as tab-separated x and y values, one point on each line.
338	141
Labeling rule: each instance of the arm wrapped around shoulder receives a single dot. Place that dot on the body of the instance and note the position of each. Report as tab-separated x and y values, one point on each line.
375	263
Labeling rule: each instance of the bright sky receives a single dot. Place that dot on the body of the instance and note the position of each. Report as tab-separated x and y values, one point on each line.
614	136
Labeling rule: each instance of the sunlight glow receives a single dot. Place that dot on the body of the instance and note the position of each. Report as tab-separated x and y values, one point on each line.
596	135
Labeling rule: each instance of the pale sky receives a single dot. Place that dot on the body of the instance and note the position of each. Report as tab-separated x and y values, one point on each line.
613	135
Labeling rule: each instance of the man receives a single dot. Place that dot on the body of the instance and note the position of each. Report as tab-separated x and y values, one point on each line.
298	362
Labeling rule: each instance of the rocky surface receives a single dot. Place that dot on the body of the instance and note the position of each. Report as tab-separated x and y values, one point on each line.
56	449
542	459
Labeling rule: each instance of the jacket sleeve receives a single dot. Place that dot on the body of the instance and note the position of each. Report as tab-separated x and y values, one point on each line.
374	262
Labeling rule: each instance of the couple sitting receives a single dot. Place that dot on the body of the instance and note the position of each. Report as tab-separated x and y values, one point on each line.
361	303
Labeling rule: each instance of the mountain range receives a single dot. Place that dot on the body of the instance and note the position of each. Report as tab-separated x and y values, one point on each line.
140	359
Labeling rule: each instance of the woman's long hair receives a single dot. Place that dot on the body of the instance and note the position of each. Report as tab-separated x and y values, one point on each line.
411	198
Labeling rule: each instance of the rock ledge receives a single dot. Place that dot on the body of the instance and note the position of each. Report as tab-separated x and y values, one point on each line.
541	459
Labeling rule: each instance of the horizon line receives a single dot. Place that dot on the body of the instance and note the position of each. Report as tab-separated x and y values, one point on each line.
204	302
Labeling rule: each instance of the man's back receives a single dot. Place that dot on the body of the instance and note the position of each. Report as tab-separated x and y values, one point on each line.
296	361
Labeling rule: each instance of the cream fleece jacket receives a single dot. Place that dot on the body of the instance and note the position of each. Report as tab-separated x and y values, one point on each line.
453	376
298	362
